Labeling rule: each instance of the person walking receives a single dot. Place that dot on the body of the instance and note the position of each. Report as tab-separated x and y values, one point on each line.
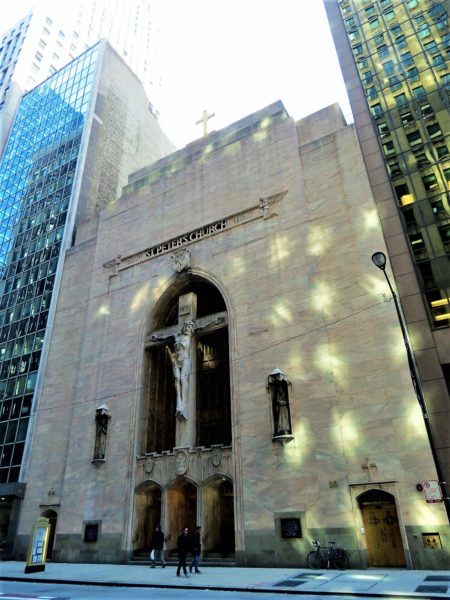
158	547
196	548
183	548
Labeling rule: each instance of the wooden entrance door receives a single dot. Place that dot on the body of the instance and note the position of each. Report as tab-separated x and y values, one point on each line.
384	542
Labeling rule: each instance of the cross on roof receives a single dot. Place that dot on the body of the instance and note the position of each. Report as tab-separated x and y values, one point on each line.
204	119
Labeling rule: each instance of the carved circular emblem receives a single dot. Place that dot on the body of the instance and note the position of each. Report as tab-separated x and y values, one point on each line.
148	466
181	462
216	457
180	260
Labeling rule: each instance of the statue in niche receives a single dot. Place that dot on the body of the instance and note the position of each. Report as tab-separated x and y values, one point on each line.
101	430
278	386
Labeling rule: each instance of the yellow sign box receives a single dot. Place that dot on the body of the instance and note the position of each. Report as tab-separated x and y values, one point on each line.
37	547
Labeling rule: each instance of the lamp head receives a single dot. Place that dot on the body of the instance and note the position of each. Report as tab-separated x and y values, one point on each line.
379	260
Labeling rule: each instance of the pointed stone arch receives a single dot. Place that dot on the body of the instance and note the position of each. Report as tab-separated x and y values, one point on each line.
210	378
218	515
148	514
182	509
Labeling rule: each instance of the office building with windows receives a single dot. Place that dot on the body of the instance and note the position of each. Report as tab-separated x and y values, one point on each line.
75	138
53	34
395	59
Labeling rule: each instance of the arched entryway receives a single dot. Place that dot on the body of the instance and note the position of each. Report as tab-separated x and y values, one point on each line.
182	510
218	515
148	515
381	527
52	517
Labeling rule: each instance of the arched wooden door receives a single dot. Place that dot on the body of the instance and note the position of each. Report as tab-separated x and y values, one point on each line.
382	531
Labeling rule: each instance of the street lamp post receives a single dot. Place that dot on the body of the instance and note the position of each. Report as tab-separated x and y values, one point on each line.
379	260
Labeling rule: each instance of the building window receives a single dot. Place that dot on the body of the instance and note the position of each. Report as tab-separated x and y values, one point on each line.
431	47
378	39
370	10
388	148
367	78
353	35
394	168
407	59
418	92
426	109
383	51
374	23
363	63
411	3
412	75
350	22
48	21
388	67
447	177
394	83
400	100
383	129
445	81
422	160
430	182
414	138
423	31
38	56
434	131
439	62
389	15
376	110
441	151
407	118
371	93
357	49
400	41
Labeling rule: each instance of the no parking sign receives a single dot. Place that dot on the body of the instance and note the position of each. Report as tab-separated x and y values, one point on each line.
432	491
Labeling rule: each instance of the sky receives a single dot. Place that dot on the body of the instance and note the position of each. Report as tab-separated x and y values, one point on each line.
233	57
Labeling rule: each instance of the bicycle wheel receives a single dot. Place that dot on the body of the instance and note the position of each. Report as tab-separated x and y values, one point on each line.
315	560
340	559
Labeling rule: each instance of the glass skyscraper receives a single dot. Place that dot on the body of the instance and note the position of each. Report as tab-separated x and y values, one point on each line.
36	183
395	59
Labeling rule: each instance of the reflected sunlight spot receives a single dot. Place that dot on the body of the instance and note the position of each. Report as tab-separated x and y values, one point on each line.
208	149
345	429
278	250
297	454
282	311
103	311
231	149
140	298
397	348
237	265
425	513
328	360
322	298
260	136
375	286
371	220
414	421
266	122
318	240
159	284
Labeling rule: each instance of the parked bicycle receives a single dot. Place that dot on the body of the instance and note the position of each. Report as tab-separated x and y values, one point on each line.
329	557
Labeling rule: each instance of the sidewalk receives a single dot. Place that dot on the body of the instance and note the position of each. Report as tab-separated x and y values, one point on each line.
392	583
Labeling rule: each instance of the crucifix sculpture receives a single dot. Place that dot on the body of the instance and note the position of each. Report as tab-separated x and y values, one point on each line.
204	119
182	351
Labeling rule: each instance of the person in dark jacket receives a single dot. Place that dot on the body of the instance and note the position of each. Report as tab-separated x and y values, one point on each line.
196	549
158	547
183	548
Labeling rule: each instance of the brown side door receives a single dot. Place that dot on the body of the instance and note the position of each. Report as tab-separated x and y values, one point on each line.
384	542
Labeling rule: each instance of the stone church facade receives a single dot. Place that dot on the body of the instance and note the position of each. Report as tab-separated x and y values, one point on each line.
223	356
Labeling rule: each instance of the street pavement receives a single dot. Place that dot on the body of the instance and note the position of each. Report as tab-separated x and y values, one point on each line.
381	583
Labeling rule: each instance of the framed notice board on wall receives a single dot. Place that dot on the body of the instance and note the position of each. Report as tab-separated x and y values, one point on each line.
290	528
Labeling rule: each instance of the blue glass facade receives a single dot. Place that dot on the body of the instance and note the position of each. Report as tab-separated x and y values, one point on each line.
37	173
